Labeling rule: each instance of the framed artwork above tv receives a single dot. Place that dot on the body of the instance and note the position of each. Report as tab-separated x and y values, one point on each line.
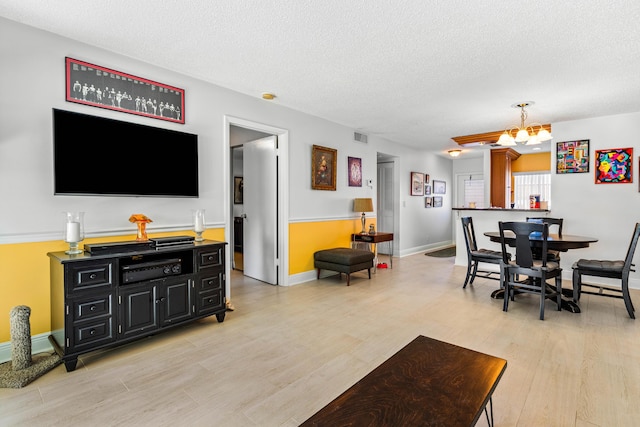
102	87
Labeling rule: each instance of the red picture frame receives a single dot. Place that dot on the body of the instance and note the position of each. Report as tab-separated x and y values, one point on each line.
102	87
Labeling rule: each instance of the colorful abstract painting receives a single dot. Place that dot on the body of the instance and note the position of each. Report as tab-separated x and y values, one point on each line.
572	156
613	166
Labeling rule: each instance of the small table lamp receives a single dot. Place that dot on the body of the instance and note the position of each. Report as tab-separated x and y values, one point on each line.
363	205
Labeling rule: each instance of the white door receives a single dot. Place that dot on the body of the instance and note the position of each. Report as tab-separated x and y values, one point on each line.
385	209
260	197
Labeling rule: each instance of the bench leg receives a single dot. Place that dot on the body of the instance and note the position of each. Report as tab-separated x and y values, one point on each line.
318	274
369	271
348	278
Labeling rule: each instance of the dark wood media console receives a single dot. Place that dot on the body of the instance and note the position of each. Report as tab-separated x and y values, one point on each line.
99	301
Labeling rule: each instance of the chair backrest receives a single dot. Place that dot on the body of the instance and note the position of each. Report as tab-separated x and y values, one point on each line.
550	221
522	230
469	234
632	248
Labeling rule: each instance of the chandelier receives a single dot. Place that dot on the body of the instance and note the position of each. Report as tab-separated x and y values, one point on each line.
525	134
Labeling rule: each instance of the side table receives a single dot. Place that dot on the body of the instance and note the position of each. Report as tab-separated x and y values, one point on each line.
374	239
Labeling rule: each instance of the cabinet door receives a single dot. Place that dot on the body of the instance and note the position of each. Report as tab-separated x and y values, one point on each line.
138	313
175	301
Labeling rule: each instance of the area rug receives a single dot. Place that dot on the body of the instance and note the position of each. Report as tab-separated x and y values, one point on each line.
41	364
443	253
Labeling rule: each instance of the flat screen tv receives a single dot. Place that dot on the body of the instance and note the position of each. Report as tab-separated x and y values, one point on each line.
98	156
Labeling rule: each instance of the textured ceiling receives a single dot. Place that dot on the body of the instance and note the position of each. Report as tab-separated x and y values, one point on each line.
416	72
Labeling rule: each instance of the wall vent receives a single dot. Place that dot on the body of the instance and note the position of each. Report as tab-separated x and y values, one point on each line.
360	137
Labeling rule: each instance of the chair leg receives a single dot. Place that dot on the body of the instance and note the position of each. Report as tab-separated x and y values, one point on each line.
348	278
507	291
466	280
369	271
543	297
627	298
474	272
559	292
318	274
577	284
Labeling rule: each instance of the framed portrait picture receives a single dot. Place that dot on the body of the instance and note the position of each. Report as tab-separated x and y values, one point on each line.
437	201
417	184
426	178
613	166
102	87
572	156
354	170
428	202
323	168
237	190
439	187
427	189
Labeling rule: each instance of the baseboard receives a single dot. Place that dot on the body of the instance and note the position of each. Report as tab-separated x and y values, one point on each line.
39	344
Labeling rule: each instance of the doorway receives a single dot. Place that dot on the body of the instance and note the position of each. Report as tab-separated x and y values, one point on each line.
386	216
238	135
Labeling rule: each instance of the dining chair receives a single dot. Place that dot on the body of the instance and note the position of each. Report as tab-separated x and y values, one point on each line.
553	223
538	271
477	255
614	269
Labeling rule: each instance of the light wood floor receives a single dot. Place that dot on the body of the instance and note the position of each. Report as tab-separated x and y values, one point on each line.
286	352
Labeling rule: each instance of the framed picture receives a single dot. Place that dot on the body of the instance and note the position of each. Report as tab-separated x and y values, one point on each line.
97	86
613	166
428	202
437	201
323	168
354	170
237	190
417	184
427	189
439	187
572	156
426	178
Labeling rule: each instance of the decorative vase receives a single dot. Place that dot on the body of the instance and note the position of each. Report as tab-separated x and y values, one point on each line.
141	222
74	231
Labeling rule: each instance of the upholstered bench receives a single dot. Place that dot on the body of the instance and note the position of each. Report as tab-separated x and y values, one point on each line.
343	260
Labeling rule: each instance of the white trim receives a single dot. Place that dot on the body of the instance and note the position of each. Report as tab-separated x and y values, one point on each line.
324	219
39	344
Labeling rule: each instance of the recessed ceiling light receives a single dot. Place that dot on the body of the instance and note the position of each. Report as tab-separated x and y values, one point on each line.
269	96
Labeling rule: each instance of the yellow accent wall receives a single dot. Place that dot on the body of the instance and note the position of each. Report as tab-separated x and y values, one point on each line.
532	162
24	276
305	238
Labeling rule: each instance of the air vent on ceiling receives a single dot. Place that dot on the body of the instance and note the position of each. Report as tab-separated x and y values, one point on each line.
360	137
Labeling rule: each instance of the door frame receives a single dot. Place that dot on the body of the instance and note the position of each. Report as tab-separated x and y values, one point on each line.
283	194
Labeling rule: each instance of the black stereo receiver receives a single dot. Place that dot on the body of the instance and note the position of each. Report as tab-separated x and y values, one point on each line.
151	270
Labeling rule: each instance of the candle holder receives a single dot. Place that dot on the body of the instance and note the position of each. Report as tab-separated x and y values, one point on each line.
74	231
198	224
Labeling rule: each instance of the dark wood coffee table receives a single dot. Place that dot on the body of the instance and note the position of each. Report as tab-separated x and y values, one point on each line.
426	383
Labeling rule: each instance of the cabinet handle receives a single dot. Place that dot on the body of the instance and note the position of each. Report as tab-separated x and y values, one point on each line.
92	308
210	300
93	276
92	332
210	257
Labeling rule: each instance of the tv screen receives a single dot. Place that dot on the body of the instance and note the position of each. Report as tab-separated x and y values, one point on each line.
98	156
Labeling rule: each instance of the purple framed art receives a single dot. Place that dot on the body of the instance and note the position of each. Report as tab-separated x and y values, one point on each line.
614	166
354	165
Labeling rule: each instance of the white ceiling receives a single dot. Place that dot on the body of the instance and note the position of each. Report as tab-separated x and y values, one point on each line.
415	72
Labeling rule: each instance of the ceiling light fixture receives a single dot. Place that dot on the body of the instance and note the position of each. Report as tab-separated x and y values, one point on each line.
268	96
454	153
525	134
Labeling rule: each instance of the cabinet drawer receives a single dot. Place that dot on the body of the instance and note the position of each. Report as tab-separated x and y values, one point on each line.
94	307
209	301
93	333
212	258
89	276
210	283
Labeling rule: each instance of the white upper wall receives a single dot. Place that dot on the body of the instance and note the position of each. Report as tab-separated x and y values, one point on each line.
33	83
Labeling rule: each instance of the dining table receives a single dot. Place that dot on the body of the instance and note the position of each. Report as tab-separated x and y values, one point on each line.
556	242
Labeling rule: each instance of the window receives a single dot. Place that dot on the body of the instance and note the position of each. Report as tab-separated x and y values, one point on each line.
527	183
474	192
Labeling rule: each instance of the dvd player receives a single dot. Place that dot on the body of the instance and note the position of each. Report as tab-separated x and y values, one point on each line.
161	242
